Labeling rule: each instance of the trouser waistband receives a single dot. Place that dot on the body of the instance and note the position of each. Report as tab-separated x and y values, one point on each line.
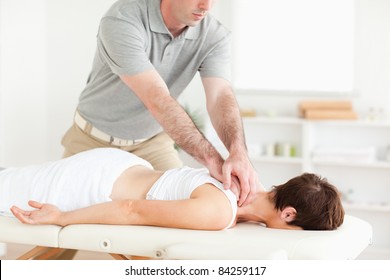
89	128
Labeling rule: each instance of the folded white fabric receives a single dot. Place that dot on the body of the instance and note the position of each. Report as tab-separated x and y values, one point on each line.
344	155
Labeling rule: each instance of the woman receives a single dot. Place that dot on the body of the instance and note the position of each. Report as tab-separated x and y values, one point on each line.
110	186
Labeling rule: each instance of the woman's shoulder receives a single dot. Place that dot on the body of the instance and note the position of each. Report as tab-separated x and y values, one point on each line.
216	205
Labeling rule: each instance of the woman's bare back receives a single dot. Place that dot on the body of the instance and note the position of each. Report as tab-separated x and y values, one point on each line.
134	183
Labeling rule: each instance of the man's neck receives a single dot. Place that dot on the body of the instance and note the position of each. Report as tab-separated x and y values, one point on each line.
174	27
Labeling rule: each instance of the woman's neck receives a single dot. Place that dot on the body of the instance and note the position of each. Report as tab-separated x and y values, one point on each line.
256	211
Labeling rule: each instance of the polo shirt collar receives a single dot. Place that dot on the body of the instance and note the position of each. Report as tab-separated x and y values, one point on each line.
193	33
157	23
155	17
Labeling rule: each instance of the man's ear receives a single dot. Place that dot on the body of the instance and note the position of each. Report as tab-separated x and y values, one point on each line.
288	214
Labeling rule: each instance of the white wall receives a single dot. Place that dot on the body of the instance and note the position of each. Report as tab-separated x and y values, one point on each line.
23	107
372	76
72	26
372	66
1	107
46	50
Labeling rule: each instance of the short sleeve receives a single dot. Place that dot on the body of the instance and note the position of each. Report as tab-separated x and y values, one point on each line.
217	62
122	45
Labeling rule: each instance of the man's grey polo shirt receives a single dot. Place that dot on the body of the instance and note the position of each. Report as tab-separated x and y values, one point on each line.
133	38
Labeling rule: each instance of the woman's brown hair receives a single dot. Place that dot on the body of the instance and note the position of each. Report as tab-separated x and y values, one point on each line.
316	201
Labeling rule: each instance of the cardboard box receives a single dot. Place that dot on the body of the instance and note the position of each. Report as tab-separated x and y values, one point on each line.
315	114
324	105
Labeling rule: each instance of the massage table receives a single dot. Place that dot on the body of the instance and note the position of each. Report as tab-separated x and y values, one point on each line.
245	241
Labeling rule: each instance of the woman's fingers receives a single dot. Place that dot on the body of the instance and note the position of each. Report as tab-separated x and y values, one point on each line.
21	215
35	204
21	211
26	216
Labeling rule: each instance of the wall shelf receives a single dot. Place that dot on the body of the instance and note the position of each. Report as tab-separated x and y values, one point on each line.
275	159
367	207
376	164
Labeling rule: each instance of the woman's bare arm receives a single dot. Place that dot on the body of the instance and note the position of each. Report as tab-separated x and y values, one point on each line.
112	212
207	209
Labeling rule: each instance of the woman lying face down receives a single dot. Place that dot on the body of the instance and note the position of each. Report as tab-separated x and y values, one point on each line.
186	198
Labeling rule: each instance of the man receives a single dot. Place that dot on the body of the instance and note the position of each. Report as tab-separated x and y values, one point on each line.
147	53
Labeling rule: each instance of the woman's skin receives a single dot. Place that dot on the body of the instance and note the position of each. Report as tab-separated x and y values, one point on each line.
207	208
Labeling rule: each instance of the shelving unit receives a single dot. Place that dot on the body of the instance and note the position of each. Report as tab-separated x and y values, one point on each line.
363	182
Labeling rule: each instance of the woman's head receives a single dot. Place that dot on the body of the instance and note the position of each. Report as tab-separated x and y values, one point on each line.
316	202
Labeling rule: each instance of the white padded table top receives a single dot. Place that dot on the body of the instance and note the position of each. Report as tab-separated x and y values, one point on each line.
245	241
13	231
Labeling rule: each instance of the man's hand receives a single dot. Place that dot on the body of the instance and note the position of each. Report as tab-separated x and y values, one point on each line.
240	177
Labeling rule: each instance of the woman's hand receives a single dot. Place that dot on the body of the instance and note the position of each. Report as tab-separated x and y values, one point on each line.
46	214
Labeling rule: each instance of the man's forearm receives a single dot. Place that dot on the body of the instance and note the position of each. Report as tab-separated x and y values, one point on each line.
154	93
182	130
227	122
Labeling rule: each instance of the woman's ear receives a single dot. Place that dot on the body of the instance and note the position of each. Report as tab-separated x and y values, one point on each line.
288	214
